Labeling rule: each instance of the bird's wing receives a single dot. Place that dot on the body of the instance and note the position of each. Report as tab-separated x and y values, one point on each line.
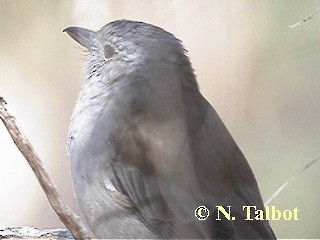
152	165
169	167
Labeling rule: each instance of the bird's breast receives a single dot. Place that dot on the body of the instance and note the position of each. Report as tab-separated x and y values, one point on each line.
90	137
92	147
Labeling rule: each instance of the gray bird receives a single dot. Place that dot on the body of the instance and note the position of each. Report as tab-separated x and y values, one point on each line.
147	148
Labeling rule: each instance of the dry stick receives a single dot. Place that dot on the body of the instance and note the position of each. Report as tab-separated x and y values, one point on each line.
283	186
305	19
70	220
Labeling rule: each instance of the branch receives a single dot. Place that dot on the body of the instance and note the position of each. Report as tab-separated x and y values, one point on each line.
33	233
293	177
69	219
305	19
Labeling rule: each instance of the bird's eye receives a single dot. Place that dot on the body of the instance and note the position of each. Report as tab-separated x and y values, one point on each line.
108	51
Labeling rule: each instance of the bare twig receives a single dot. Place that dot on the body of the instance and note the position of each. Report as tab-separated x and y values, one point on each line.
283	186
305	19
70	220
34	233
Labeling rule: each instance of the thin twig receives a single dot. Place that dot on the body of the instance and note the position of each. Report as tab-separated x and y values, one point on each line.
283	186
70	220
305	19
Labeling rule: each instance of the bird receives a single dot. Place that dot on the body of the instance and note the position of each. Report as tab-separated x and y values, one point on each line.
146	147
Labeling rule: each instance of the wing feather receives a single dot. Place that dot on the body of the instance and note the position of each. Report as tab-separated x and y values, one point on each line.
168	168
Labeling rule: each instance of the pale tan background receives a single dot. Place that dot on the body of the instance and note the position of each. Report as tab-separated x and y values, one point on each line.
262	78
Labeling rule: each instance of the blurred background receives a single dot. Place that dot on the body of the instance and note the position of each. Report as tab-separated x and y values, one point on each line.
261	76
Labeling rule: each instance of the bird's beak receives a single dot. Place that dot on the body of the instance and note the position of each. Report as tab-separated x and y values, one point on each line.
83	36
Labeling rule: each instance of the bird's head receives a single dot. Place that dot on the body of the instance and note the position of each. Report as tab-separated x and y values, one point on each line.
123	46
